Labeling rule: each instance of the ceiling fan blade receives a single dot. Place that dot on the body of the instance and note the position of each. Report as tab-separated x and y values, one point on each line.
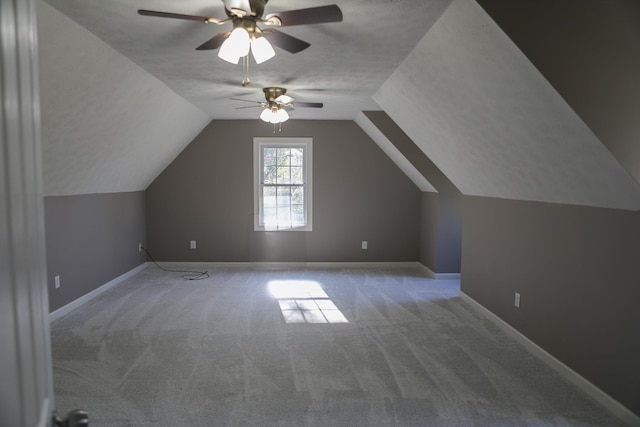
312	15
285	41
214	42
249	106
246	100
308	104
205	19
284	99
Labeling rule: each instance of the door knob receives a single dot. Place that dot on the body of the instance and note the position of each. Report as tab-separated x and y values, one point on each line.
75	418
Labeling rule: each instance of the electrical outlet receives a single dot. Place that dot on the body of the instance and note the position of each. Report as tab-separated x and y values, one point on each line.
56	280
139	247
364	244
193	244
517	300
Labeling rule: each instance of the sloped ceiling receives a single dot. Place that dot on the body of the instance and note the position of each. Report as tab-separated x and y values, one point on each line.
122	94
107	125
485	115
589	50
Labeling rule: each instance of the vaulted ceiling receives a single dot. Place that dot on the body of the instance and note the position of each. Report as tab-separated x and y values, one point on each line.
123	94
344	66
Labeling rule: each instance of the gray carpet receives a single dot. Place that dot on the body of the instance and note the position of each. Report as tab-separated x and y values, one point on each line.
363	347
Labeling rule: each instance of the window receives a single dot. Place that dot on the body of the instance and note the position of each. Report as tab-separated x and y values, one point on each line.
282	183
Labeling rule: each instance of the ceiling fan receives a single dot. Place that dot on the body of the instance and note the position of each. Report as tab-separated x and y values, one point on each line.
277	104
245	15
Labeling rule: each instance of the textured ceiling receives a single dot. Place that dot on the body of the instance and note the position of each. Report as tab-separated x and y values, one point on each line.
443	70
346	64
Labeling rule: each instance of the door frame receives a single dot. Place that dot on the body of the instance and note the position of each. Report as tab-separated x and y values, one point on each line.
26	389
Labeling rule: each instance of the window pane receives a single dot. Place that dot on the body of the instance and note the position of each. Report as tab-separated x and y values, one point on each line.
297	157
269	196
297	214
284	216
296	175
284	175
284	197
297	194
283	190
269	156
283	156
269	176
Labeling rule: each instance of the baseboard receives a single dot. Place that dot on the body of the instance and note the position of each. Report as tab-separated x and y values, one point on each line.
282	265
612	405
56	314
433	275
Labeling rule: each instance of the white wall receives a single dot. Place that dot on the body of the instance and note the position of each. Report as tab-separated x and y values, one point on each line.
488	119
107	125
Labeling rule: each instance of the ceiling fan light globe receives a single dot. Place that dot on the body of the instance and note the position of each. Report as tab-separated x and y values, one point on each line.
274	119
230	57
266	114
262	50
235	46
282	115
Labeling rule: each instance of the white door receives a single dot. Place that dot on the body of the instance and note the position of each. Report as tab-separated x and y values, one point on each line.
26	389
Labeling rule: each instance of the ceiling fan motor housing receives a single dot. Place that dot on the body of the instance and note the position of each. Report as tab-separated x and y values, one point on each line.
234	6
272	93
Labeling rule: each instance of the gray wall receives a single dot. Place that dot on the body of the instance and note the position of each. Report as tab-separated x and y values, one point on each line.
429	230
206	195
449	233
578	272
91	239
441	213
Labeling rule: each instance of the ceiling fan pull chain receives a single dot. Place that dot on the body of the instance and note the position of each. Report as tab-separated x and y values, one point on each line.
245	66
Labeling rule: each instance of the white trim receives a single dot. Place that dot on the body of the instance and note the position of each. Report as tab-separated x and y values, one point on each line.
612	405
56	314
447	276
281	265
433	275
306	143
45	413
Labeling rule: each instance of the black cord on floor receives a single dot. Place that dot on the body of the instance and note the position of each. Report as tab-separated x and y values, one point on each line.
190	275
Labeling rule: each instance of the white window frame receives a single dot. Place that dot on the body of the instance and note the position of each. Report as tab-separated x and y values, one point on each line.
259	143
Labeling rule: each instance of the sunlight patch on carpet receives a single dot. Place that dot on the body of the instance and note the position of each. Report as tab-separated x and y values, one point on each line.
304	301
